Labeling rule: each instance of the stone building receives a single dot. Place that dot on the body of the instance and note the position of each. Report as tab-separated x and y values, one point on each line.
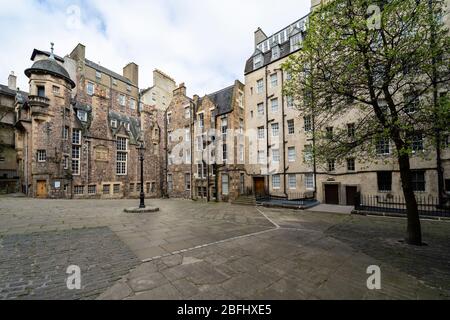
161	93
79	129
8	161
206	145
280	138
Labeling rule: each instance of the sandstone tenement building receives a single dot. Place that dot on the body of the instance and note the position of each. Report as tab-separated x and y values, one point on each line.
78	131
279	157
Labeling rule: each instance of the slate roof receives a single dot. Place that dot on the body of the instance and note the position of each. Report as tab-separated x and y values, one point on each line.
267	57
135	125
104	70
7	91
37	51
223	100
50	66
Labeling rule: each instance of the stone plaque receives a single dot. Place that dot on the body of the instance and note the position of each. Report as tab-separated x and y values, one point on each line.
101	154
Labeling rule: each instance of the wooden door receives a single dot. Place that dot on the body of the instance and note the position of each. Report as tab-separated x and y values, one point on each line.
41	189
350	193
331	194
259	186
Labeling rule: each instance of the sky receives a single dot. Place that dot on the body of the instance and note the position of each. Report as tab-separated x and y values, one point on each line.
203	43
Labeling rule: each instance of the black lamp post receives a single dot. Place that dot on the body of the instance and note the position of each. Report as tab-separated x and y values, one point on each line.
141	149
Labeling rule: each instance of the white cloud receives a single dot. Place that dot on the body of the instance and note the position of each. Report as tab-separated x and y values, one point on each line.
203	43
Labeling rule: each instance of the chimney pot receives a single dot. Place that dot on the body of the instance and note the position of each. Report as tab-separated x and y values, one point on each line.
12	81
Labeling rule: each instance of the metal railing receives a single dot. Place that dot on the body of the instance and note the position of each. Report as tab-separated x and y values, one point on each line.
427	205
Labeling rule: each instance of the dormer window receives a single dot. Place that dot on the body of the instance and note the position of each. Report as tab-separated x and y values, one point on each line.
114	82
257	61
295	42
128	88
114	123
98	75
82	115
127	125
275	52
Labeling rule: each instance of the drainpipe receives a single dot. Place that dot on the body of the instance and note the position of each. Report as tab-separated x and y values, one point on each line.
283	118
267	126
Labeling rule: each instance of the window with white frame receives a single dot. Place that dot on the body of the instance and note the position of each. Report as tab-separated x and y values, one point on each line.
308	153
113	123
42	155
295	42
275	130
274	80
275	52
308	123
122	155
78	190
276	181
290	102
276	155
187	181
132	103
382	146
98	75
82	115
224	128
417	142
201	120
291	154
411	103
331	165
90	88
291	127
351	164
257	61
76	150
225	183
261	132
260	86
92	189
292	181
309	181
274	104
66	133
261	109
224	152
122	100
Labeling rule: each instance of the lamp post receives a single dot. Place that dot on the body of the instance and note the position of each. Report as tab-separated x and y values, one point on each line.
141	149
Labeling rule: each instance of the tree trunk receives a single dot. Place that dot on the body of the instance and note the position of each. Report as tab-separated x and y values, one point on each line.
414	232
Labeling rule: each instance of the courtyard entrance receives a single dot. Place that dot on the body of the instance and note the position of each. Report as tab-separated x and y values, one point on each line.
331	194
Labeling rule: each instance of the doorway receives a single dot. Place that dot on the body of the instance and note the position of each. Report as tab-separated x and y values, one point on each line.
259	186
350	193
41	189
332	194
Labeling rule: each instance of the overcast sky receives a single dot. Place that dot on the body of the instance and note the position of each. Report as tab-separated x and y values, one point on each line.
203	43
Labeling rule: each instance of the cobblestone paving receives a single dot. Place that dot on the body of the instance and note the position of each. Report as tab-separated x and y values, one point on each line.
194	250
33	266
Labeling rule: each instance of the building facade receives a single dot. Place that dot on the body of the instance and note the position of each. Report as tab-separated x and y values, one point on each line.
280	159
79	130
205	137
8	155
161	93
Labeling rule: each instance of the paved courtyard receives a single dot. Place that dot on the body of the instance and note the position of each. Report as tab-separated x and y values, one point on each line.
195	250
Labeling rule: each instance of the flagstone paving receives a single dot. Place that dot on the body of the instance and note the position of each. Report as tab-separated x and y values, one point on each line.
195	250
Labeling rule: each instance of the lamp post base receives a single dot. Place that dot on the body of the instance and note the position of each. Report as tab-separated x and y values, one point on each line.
141	210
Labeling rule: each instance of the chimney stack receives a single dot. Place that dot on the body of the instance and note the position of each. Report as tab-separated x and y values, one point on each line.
131	72
259	36
181	90
12	81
